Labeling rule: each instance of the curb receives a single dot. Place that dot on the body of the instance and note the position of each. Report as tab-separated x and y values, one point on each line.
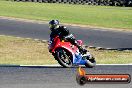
43	41
98	48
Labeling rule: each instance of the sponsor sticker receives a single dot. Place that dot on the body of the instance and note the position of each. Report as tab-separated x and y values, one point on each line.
83	78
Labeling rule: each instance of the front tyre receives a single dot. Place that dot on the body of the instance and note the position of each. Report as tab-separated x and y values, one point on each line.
63	57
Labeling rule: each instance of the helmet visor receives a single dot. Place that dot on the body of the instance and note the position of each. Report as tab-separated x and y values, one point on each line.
51	26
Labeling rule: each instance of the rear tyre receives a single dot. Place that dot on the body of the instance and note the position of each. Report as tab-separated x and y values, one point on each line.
91	62
63	57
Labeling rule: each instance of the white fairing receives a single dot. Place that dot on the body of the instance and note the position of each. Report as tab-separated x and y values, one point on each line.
49	43
87	54
74	57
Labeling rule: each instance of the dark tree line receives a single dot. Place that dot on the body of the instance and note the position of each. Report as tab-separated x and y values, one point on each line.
89	2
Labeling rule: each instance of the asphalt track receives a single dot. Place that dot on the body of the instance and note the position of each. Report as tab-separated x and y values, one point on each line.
90	36
57	77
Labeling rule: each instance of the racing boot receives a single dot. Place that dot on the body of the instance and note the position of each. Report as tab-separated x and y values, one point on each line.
81	50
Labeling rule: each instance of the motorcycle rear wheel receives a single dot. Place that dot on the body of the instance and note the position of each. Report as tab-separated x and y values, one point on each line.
91	62
63	57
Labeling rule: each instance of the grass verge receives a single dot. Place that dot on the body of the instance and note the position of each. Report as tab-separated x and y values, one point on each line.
24	51
102	16
29	52
112	56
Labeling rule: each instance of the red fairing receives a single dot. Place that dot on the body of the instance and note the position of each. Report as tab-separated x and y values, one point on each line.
62	44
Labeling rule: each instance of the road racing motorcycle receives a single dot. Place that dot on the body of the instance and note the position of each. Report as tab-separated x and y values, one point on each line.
68	55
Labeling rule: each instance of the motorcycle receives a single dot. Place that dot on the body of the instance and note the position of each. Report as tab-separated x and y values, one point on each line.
68	55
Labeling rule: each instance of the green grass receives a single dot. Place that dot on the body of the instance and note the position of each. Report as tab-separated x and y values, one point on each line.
112	56
29	52
101	16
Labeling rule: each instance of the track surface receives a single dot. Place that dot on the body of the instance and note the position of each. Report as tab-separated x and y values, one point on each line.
91	37
56	77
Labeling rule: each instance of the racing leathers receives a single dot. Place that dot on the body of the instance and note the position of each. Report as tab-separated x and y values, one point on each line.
64	34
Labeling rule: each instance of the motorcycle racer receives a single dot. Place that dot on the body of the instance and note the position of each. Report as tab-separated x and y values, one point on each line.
63	34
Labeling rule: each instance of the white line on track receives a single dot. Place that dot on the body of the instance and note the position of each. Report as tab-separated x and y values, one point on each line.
57	65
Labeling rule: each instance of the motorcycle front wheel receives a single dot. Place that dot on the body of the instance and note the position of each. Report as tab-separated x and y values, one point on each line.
63	57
